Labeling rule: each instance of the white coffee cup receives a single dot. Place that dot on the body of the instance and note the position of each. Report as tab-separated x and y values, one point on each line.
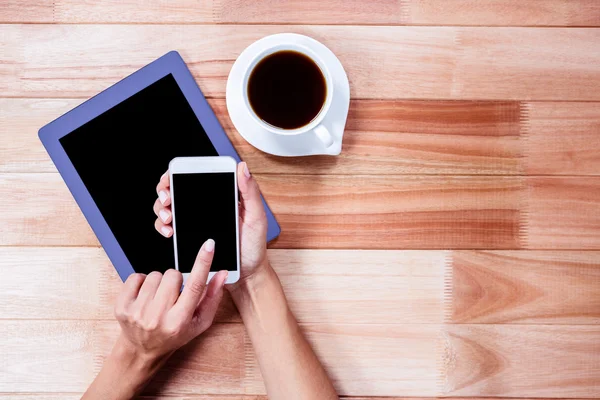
315	126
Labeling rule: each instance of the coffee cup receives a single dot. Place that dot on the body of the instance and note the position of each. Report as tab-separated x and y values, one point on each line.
288	91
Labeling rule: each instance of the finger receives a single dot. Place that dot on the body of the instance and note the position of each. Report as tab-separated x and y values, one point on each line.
162	212
130	289
163	190
164	182
251	201
165	230
196	281
168	290
208	307
149	287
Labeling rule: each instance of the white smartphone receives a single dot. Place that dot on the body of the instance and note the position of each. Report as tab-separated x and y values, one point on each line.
204	205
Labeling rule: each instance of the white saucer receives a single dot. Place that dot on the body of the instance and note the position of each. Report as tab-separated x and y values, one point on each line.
294	145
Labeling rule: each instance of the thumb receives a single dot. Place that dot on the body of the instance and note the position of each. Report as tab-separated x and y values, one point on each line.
207	308
252	205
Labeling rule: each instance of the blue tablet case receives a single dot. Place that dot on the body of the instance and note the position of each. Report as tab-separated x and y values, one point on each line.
170	63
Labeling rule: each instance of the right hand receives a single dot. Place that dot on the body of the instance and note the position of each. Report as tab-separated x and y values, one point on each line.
253	221
156	319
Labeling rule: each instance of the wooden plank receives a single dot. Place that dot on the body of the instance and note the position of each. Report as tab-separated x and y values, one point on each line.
359	286
43	212
562	138
522	287
64	356
69	396
411	62
349	12
382	137
500	63
504	12
368	212
563	213
395	212
522	361
525	287
363	360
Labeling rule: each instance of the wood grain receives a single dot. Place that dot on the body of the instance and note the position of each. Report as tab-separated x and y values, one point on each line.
363	360
563	213
42	211
329	286
562	138
321	286
395	212
525	287
384	137
64	356
411	62
369	212
513	361
70	396
504	12
356	12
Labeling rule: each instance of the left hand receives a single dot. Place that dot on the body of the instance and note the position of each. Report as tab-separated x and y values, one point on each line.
156	319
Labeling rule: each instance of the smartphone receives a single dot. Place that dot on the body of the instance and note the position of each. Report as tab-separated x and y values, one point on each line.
204	205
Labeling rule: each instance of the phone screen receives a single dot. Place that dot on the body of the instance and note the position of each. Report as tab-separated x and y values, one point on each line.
205	208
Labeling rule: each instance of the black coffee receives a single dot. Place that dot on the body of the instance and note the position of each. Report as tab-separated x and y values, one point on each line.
287	89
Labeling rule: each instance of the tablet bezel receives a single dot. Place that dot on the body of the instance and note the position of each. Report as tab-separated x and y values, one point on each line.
50	134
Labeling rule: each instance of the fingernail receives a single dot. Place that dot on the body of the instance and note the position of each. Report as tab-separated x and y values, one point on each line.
225	279
209	246
163	215
162	196
163	176
246	171
165	231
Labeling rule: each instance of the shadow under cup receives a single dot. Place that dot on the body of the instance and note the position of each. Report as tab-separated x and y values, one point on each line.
287	90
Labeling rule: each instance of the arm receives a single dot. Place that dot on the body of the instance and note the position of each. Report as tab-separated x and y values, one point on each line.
288	364
289	367
155	321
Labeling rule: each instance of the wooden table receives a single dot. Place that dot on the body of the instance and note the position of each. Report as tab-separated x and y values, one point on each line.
452	249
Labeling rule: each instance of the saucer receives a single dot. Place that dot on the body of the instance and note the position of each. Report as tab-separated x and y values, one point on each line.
304	144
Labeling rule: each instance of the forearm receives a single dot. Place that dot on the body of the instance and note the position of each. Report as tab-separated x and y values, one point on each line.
289	367
123	375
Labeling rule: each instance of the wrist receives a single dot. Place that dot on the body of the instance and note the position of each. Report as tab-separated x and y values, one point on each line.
259	291
136	365
250	283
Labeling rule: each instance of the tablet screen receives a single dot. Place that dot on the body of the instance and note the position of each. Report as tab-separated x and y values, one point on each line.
120	156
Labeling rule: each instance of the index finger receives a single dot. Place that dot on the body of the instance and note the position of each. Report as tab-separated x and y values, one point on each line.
196	282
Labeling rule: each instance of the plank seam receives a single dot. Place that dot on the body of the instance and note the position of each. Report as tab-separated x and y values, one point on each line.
525	128
249	373
448	287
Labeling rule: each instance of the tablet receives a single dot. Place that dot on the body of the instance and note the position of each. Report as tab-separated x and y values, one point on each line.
112	150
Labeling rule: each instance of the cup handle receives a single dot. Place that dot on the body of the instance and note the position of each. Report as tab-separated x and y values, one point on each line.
324	135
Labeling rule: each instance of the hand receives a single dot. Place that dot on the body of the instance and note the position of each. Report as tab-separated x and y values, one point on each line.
253	221
156	319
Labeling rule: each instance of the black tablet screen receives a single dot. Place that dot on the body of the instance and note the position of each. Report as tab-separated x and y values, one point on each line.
120	156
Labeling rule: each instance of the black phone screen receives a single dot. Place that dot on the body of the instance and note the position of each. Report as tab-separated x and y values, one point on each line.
205	208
